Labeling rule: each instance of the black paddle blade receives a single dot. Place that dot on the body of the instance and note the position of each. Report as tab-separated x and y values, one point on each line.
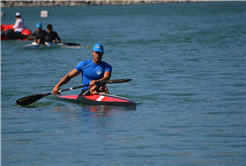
72	44
29	99
114	81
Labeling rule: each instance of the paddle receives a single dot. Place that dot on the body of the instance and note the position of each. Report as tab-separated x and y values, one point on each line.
71	44
32	98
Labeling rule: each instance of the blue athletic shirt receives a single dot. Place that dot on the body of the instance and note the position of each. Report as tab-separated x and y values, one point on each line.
92	71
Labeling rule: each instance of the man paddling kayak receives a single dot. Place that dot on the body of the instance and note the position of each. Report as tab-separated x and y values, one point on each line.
92	71
53	34
39	34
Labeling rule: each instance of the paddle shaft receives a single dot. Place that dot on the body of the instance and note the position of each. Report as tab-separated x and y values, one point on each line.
99	82
72	88
71	44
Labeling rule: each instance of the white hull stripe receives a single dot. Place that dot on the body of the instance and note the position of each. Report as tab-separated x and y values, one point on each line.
100	98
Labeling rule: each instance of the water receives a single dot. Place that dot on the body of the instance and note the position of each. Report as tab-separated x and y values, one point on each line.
187	62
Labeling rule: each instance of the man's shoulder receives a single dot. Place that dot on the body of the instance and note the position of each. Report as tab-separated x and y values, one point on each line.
19	20
105	63
53	32
36	31
85	62
44	31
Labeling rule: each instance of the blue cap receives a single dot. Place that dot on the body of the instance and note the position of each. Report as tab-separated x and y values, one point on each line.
39	25
98	47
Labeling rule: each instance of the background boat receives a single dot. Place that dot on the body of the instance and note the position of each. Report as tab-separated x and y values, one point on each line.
23	36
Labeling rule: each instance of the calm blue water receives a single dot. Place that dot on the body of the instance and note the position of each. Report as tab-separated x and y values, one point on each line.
187	62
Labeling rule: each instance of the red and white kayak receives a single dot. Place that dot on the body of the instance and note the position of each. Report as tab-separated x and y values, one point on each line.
99	99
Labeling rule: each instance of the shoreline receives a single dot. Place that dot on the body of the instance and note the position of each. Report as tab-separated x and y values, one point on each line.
87	3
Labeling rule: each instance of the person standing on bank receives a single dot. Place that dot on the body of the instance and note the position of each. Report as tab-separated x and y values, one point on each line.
39	34
53	34
92	71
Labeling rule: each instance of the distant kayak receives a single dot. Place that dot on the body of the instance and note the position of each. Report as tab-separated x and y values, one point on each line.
47	45
99	99
35	45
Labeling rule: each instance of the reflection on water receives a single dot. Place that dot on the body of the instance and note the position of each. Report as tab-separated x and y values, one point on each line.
104	110
92	111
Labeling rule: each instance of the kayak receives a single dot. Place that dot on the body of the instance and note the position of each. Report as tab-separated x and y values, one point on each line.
35	45
98	99
48	45
22	36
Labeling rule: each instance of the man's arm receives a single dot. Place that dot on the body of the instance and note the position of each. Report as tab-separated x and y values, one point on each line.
106	76
16	24
58	38
31	35
65	80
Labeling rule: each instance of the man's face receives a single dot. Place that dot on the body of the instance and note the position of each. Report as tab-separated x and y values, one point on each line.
97	56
